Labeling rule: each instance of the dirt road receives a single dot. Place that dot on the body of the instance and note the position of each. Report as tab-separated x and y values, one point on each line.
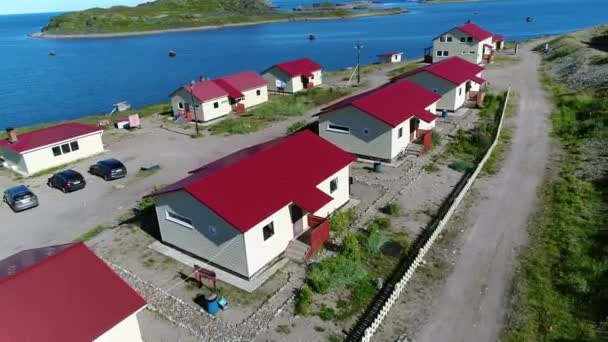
472	304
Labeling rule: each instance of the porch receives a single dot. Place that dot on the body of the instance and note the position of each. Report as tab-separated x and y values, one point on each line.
310	240
421	142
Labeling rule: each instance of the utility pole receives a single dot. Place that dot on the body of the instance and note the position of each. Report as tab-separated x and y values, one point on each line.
358	47
194	107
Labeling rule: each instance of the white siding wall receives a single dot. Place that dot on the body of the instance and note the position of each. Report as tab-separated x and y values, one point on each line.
42	159
260	252
210	112
252	98
458	48
399	144
475	86
295	85
424	125
125	331
317	78
340	197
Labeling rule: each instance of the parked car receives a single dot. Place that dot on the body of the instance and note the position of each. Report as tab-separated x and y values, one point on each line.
108	169
67	181
20	198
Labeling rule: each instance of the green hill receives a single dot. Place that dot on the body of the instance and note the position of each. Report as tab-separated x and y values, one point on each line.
176	14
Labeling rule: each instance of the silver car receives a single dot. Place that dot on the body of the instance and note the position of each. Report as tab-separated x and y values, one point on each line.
20	198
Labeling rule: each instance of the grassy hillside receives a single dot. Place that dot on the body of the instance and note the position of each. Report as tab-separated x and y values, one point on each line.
563	275
175	14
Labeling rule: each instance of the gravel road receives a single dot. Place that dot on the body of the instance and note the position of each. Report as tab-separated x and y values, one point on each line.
472	304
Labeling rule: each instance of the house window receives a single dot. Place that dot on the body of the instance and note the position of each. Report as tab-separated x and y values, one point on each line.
471	52
463	39
449	39
56	151
181	220
464	52
65	148
469	39
268	231
180	105
216	105
459	91
439	53
400	132
442	39
333	185
74	146
446	53
258	92
338	128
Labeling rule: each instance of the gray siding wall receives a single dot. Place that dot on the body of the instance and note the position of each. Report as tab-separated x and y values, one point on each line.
274	74
184	96
446	89
201	240
457	48
377	143
14	160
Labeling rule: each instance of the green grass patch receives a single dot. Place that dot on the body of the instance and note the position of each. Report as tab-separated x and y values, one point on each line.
599	60
462	166
279	108
392	209
403	69
341	220
283	329
92	233
336	272
326	313
431	167
303	301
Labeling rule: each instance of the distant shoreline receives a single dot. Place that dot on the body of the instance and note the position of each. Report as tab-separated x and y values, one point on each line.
208	27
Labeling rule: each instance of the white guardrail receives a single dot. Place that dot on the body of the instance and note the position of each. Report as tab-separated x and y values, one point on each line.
369	332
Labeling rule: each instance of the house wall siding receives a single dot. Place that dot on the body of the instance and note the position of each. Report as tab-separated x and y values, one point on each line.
340	197
272	75
204	112
398	144
225	247
253	99
125	331
456	47
376	144
424	125
42	159
447	90
14	160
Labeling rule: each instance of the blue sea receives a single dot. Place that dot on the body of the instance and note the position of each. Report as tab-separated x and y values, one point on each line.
88	76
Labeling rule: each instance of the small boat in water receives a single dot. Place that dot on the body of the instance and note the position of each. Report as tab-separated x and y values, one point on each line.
172	54
529	19
312	37
53	53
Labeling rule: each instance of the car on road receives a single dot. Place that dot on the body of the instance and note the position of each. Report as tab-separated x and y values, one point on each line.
67	181
20	198
109	169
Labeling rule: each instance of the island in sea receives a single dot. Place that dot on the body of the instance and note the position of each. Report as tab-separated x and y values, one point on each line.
183	15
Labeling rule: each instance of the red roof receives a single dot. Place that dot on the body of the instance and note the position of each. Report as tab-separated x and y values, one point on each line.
393	103
231	85
454	70
62	293
475	31
390	54
248	186
299	67
48	136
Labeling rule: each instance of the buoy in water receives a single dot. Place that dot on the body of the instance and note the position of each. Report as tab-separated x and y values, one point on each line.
529	19
172	53
312	37
52	53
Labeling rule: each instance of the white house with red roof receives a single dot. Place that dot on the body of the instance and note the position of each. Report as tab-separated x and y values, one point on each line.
454	79
468	41
294	76
66	293
390	57
240	213
219	97
381	123
42	149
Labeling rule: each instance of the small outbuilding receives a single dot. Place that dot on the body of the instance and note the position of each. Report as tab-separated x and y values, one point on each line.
390	57
39	150
294	76
454	79
380	124
243	213
215	98
66	293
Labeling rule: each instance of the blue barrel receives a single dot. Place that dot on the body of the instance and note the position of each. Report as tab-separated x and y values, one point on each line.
212	305
444	114
377	167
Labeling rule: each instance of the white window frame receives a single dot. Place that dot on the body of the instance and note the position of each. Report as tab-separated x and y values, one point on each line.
439	53
446	53
338	128
469	39
271	225
471	52
177	218
449	39
333	181
463	39
442	39
180	105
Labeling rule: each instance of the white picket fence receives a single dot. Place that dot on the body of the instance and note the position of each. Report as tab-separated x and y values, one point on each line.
369	332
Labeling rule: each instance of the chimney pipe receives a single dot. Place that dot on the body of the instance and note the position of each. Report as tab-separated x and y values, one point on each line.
12	135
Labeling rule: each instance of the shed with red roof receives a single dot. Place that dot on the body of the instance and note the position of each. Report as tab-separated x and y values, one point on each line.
42	149
455	79
390	57
380	124
294	76
218	97
66	293
240	213
469	41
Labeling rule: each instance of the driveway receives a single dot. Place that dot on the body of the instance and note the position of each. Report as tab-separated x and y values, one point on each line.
472	304
61	218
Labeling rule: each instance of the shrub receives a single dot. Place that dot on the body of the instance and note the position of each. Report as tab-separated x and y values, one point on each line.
336	272
431	168
360	296
379	223
462	166
146	203
327	313
303	300
436	140
352	248
341	220
374	243
393	209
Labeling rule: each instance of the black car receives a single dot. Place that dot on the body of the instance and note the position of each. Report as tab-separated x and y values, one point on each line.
109	169
67	181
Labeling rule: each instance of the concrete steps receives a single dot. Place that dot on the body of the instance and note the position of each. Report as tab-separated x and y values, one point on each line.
296	251
413	149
